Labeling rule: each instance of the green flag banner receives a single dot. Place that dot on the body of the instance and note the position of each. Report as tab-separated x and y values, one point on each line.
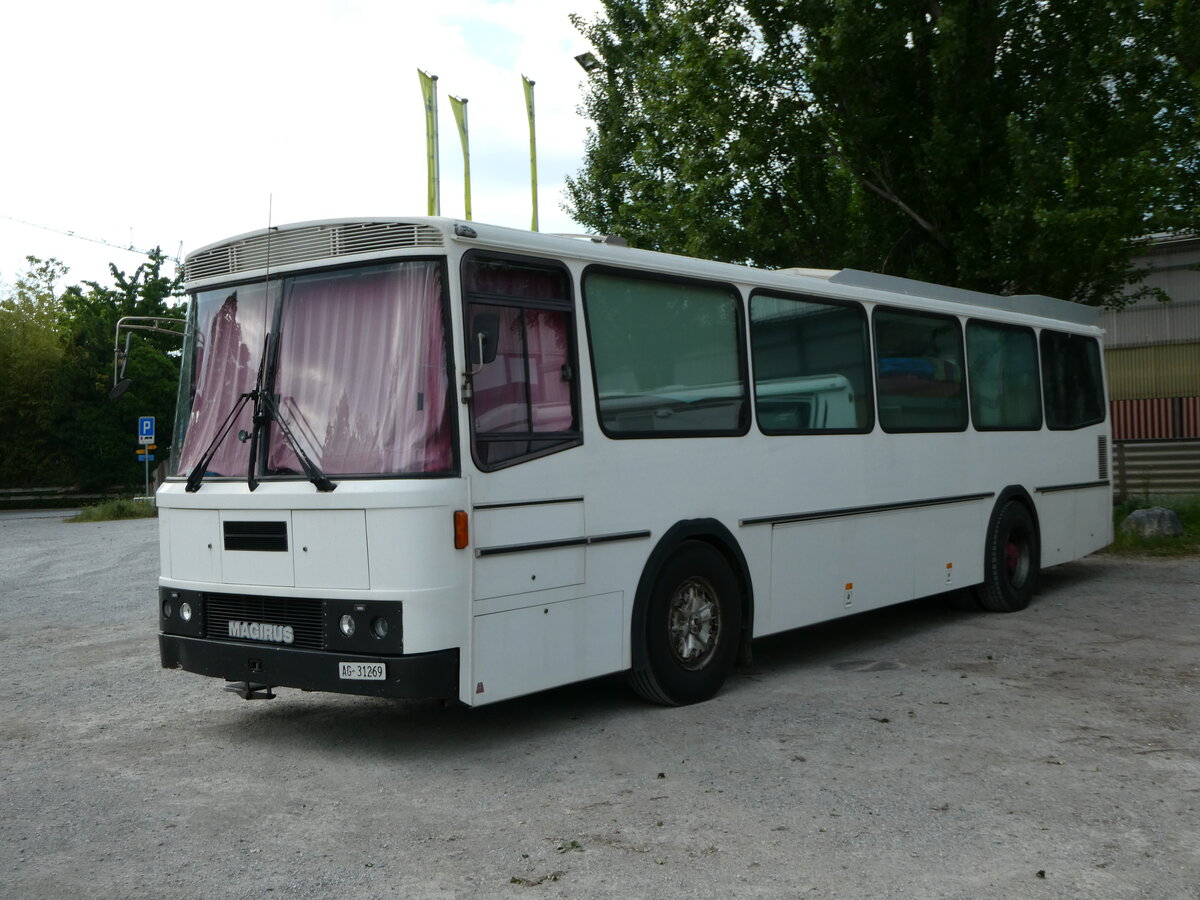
459	105
429	94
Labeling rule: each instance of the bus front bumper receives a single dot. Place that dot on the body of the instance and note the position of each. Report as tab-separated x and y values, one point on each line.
413	676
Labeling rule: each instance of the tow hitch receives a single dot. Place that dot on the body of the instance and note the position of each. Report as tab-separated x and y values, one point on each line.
248	690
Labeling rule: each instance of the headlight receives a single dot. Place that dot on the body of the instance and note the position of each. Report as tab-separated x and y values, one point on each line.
185	611
379	627
167	610
347	625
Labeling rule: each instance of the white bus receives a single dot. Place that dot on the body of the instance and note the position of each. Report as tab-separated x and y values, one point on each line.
428	458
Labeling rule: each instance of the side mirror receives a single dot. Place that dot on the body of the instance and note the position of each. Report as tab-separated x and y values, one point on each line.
123	357
157	324
484	339
120	361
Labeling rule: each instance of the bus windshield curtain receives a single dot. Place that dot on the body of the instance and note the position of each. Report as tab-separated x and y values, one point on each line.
229	344
361	377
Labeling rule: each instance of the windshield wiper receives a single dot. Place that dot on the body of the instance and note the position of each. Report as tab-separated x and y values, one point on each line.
266	410
200	469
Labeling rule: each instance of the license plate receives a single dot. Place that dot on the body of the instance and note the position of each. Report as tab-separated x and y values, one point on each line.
359	671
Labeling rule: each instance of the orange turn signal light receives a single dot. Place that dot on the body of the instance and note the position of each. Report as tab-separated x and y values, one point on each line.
462	534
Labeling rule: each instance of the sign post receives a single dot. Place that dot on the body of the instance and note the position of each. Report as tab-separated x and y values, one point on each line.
146	439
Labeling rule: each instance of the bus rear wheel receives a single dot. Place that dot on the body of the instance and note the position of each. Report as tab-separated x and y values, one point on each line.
693	624
1012	561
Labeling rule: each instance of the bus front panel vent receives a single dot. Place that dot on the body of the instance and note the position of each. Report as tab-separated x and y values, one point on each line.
1102	451
270	537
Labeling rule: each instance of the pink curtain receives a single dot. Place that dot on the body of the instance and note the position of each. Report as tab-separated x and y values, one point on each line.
500	403
511	279
229	344
549	392
361	378
499	387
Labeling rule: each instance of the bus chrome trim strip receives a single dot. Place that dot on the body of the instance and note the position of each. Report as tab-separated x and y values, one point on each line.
564	542
536	545
514	504
619	536
1080	486
863	510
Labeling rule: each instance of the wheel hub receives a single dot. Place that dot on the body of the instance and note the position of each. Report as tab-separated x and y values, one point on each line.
1017	559
694	623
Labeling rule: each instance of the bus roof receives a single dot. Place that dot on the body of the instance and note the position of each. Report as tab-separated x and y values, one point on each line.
286	247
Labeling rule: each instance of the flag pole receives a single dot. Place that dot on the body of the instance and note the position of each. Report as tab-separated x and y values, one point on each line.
532	147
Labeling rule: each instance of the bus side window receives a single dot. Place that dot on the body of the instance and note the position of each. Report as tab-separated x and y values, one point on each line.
1003	369
667	355
524	397
919	367
811	365
1072	380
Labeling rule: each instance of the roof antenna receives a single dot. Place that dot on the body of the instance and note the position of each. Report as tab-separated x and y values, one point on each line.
270	209
259	419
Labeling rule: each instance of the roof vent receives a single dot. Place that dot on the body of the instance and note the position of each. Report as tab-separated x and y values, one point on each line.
306	244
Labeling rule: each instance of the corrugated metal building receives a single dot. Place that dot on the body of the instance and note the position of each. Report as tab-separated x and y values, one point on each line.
1153	349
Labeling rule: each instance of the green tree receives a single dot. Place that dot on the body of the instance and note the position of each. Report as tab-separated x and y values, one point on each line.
31	354
1015	146
99	435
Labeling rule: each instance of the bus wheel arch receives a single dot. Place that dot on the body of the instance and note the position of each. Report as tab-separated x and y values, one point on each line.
1012	553
692	614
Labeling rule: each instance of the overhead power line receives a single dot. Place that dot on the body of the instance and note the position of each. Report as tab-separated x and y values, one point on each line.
129	248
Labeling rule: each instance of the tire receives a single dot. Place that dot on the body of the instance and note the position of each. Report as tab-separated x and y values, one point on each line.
964	600
1012	561
692	627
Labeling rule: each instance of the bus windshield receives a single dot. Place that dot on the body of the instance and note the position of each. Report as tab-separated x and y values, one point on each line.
357	367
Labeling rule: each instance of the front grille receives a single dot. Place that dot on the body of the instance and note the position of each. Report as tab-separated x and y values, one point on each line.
306	617
314	242
270	537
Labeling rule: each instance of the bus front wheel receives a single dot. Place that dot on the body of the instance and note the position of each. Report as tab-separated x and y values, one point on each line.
1012	561
693	624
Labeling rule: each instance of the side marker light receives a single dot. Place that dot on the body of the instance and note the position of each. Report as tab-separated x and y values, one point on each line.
462	535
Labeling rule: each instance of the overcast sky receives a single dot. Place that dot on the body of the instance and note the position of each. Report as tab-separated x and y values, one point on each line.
153	122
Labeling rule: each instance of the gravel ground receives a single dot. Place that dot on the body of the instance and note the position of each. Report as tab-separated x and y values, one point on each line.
917	752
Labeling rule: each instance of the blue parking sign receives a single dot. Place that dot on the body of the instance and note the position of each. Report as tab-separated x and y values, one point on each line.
145	429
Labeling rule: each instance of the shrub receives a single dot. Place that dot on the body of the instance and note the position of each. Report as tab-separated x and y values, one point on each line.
117	509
